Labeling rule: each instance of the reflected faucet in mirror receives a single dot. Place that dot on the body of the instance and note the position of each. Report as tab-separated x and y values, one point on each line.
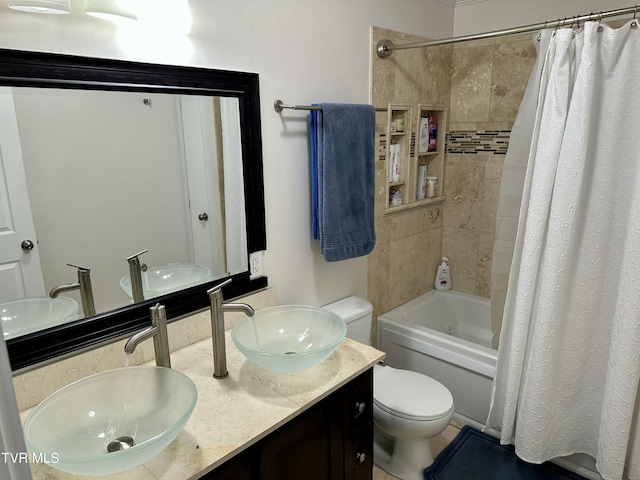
157	330
218	307
84	285
135	273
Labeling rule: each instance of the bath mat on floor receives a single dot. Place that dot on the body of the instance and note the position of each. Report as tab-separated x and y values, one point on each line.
474	455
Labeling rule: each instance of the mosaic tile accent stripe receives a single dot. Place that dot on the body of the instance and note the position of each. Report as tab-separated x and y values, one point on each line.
382	145
474	142
412	147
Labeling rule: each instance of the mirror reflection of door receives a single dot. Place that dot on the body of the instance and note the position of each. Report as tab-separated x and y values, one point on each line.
211	139
202	181
20	273
106	178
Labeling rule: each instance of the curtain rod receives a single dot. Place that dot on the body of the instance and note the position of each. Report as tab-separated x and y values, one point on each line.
278	106
385	47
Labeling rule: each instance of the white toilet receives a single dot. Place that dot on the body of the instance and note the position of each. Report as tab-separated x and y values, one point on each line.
408	407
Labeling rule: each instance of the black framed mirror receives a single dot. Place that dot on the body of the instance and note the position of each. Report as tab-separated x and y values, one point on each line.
35	70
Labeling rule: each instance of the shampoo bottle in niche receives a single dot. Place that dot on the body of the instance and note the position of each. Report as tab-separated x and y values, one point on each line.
433	133
443	275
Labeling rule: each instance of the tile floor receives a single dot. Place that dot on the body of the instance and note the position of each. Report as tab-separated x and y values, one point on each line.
437	445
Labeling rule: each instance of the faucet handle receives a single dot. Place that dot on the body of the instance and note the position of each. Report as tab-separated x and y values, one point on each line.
83	269
218	287
158	312
135	256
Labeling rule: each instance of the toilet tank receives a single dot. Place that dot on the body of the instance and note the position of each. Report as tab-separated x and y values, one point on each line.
357	314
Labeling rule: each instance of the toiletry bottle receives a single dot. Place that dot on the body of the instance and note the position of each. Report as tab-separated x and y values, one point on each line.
423	135
421	191
431	185
443	275
396	164
395	199
433	133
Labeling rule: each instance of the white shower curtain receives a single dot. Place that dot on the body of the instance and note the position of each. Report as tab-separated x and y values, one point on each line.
513	171
569	356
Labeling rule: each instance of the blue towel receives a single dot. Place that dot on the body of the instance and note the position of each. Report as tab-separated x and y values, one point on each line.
343	179
313	133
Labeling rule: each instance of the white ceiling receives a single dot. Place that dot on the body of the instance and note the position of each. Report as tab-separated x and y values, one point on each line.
457	3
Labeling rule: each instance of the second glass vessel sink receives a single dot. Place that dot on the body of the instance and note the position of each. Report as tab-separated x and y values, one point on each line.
169	278
27	315
289	338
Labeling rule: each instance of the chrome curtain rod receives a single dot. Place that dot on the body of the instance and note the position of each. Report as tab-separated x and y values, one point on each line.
386	47
278	106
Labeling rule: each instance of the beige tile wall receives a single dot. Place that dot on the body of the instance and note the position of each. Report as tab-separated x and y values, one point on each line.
483	83
408	248
488	79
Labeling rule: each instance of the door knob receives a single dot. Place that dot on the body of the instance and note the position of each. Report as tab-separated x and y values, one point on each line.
203	217
27	245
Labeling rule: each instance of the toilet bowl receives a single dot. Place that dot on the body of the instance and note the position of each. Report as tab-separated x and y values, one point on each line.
408	407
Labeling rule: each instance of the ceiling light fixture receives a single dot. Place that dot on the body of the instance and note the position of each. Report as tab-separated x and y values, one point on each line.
111	9
41	6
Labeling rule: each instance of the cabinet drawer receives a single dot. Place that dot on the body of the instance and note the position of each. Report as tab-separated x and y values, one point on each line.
358	453
358	402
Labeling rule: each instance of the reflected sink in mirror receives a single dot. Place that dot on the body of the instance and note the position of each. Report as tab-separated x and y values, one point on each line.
169	278
111	421
30	314
289	338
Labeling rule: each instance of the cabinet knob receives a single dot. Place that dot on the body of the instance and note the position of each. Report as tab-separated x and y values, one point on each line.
203	217
360	408
361	457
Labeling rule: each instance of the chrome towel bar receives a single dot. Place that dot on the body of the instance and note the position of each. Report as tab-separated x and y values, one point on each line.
279	105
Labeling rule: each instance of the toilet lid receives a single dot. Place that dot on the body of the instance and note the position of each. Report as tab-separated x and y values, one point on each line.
410	395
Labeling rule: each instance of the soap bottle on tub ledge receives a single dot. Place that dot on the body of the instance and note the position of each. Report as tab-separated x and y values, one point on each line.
443	275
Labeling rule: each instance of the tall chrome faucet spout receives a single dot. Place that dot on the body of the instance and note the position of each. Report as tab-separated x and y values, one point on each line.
218	307
238	307
84	285
135	340
55	291
135	274
157	331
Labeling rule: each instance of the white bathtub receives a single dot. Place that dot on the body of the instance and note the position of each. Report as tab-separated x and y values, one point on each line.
447	336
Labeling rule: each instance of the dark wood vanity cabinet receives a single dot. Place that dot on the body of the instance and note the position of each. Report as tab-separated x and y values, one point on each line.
331	440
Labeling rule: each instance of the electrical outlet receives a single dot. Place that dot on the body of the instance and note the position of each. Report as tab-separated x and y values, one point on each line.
255	264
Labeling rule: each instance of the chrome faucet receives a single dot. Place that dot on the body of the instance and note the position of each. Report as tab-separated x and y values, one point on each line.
84	285
157	330
135	274
218	307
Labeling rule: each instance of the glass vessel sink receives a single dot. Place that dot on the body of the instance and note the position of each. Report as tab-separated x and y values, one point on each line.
169	278
111	421
289	338
27	315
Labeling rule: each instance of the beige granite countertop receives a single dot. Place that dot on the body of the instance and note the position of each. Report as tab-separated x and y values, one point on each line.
234	413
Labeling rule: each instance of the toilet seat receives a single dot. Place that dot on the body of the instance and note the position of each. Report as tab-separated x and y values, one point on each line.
410	395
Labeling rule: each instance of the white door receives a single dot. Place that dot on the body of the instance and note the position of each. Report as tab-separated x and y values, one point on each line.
20	272
202	183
